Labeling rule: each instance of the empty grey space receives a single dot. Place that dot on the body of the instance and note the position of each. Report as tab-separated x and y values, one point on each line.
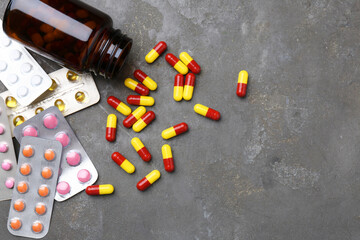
282	164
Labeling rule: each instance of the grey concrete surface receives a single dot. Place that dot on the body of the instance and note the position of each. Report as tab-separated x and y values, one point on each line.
281	164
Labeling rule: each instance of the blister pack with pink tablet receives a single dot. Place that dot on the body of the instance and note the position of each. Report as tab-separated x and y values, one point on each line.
35	185
7	156
76	170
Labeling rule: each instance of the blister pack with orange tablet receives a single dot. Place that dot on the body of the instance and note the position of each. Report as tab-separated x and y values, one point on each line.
35	187
70	92
76	170
7	156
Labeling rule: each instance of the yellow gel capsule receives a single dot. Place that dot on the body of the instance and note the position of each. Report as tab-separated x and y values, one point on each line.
80	96
53	85
10	102
39	110
18	120
60	105
71	76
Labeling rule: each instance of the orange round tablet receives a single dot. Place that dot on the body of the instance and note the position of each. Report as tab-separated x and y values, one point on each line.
43	190
46	173
15	223
19	205
49	155
22	187
40	208
25	169
28	151
37	227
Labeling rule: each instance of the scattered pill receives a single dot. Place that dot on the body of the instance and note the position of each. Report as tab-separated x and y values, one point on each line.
242	83
40	209
28	151
10	102
18	120
15	224
103	189
37	227
119	105
140	100
176	63
148	180
174	131
60	105
141	149
178	87
19	205
63	188
123	162
207	112
190	62
145	120
134	116
155	52
167	158
63	138
73	158
137	87
189	86
6	165
145	79
111	128
84	175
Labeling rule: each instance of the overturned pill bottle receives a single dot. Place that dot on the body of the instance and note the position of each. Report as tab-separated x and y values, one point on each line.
70	33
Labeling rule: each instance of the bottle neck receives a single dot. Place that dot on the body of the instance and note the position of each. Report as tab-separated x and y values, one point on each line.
110	53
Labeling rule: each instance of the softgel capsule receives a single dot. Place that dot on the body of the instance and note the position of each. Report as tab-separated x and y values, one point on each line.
33	194
77	170
19	71
70	92
7	156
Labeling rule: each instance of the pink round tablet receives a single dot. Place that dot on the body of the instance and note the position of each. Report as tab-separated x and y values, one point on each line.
9	183
63	188
63	138
73	158
6	165
84	175
2	130
30	131
3	147
50	121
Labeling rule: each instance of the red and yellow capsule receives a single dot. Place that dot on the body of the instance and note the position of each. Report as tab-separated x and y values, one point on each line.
141	149
190	62
136	87
176	63
123	162
140	100
145	79
103	189
178	87
111	128
207	112
175	130
148	180
155	52
242	83
134	116
189	86
119	105
145	120
168	158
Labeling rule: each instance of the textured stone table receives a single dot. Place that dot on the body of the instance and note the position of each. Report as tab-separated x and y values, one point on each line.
281	164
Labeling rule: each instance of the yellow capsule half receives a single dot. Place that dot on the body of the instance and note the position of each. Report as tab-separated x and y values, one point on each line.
139	112
185	58
151	56
201	109
243	77
111	121
127	166
166	151
181	68
123	109
137	144
131	83
151	84
153	176
188	92
168	133
147	101
106	189
178	93
139	125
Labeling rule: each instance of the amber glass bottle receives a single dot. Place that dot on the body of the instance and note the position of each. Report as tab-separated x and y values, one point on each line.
69	32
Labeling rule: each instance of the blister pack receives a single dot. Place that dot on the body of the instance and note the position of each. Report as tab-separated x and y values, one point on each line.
19	71
35	186
70	92
7	156
77	170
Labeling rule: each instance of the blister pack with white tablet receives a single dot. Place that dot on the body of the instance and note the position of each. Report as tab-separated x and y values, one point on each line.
76	169
35	185
70	92
7	156
19	71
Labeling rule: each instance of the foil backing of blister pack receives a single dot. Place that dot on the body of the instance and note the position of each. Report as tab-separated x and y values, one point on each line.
70	172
